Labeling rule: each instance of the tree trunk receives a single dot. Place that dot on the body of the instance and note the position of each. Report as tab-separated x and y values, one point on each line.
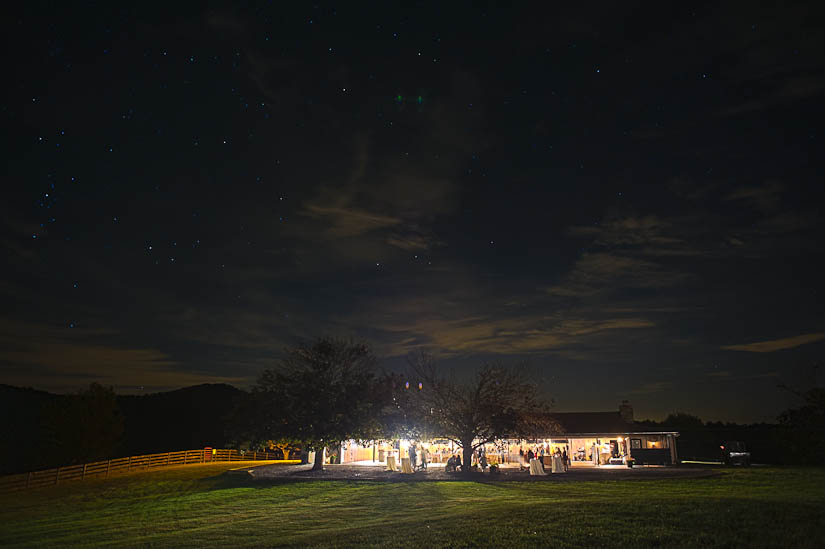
319	460
285	452
467	460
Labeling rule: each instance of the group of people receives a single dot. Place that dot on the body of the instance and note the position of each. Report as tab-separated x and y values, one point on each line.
540	452
453	464
419	457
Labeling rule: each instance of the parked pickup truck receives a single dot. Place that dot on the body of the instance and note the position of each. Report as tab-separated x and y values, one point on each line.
735	453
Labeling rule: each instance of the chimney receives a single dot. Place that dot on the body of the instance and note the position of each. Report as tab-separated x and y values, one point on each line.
626	411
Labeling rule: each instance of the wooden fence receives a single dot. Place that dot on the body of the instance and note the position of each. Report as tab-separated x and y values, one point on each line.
99	469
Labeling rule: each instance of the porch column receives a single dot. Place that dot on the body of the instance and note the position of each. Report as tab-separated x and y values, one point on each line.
674	456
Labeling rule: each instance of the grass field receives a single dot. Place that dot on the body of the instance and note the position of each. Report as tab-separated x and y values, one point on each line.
197	506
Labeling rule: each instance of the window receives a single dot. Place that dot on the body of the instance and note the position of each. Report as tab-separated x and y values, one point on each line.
657	442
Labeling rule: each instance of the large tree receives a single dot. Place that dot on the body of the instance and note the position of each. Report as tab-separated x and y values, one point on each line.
320	394
497	402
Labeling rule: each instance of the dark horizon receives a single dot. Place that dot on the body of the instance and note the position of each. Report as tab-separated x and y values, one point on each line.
628	199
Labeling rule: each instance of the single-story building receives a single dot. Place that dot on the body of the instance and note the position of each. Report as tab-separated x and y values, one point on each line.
614	435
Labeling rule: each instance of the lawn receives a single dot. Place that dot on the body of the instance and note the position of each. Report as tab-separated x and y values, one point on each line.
197	505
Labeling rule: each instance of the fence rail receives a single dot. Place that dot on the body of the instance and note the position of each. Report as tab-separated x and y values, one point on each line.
98	469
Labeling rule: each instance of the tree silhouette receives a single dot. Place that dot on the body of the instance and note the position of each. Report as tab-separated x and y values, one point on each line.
321	395
498	402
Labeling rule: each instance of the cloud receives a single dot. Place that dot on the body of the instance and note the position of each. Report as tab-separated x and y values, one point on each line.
595	273
790	90
383	208
764	197
786	222
411	242
522	334
627	230
777	344
64	359
64	366
345	222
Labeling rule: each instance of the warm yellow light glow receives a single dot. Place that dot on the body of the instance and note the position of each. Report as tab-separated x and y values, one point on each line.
620	439
405	444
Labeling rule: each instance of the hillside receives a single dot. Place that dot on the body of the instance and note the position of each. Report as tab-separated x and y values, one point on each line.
192	417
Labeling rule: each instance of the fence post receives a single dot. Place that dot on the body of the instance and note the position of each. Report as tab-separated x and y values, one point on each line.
167	458
57	476
28	478
108	467
83	476
129	468
185	455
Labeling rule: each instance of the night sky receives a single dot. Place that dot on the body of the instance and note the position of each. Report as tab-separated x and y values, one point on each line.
628	199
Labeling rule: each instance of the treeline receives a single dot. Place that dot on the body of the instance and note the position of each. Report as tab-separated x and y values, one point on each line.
42	430
798	438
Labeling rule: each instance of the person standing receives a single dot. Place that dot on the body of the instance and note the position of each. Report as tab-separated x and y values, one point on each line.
425	456
565	460
412	456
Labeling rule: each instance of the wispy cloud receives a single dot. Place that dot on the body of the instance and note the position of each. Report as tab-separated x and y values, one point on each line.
66	359
522	334
603	272
344	222
765	197
65	366
790	90
630	230
777	344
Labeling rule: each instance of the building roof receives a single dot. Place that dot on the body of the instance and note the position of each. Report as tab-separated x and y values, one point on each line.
593	423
